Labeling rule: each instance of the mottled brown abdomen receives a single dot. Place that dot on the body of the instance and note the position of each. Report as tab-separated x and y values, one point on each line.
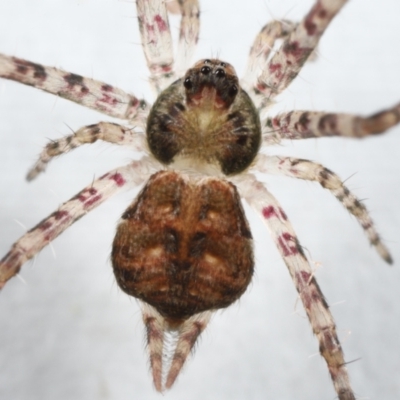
184	245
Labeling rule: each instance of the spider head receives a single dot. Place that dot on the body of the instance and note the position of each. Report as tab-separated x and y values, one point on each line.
211	84
205	121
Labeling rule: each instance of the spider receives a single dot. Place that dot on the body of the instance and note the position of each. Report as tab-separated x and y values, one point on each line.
286	240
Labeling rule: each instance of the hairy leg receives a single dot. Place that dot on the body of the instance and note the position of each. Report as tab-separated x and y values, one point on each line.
157	42
261	50
286	63
166	361
310	124
188	34
311	171
107	131
310	294
155	327
188	333
92	196
88	92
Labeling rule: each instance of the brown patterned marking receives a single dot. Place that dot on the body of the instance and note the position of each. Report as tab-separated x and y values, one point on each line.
46	223
309	23
303	123
60	214
44	226
325	174
76	80
94	129
152	332
328	125
11	264
380	121
293	48
283	214
107	88
184	246
53	146
23	67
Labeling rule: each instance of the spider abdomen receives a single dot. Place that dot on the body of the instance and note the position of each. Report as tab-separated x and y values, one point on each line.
184	245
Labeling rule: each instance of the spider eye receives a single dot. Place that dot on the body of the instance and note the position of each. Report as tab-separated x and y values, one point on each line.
220	73
207	61
223	64
188	83
233	90
205	70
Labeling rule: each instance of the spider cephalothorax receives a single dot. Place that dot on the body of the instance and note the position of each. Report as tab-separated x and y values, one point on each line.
184	247
205	118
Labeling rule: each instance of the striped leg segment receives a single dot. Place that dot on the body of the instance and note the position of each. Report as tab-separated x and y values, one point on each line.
309	292
156	41
170	343
309	124
261	50
188	332
92	196
311	171
286	63
155	327
188	34
107	131
88	92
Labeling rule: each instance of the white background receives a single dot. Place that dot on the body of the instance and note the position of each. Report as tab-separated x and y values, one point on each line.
69	332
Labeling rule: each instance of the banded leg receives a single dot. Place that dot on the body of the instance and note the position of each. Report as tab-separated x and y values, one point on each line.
156	41
92	196
88	92
155	327
286	63
188	34
308	124
311	171
261	50
167	361
310	294
188	332
107	131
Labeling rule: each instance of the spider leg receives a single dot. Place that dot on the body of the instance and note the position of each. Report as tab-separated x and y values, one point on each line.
92	196
157	42
311	171
167	361
309	124
107	131
310	294
88	92
188	34
286	63
261	50
188	332
154	324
